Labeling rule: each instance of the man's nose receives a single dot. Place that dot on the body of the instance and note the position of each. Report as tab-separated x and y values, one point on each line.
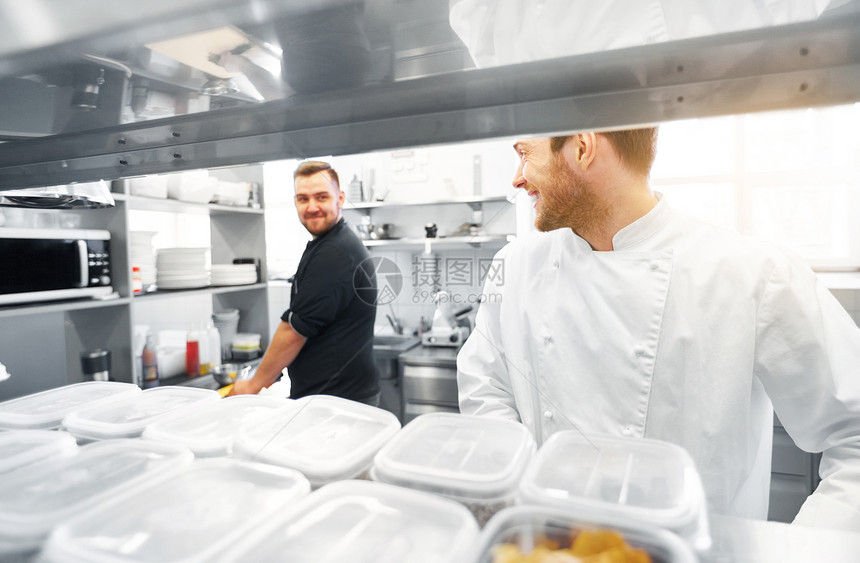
519	181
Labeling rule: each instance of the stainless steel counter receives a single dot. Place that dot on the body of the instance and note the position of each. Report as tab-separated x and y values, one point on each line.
431	356
429	381
737	540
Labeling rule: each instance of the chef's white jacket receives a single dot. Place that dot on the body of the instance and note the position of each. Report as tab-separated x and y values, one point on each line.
500	32
685	332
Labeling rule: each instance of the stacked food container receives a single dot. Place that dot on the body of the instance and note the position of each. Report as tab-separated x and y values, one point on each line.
46	410
326	438
21	449
477	461
323	479
581	491
34	502
193	516
210	430
128	416
634	478
363	522
523	534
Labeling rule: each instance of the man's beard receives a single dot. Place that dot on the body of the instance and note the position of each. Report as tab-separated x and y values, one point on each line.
568	201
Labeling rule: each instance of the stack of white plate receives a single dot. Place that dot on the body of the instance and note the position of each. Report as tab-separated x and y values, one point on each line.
234	274
143	255
183	268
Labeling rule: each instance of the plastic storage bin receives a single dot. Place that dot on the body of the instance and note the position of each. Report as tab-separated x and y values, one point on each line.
46	409
477	461
210	430
363	522
326	438
127	417
527	527
23	448
196	514
32	503
638	479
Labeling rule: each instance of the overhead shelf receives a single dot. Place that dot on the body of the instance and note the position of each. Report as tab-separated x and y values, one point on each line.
445	242
475	202
800	65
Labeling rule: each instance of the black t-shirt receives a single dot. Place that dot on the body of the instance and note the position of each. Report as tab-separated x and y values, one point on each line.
332	304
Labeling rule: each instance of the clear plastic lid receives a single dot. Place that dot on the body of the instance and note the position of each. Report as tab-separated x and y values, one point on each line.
642	479
466	457
363	522
21	448
127	417
192	517
34	502
210	430
525	528
326	438
46	409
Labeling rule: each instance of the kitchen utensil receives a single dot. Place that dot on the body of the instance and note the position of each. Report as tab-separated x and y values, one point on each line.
225	374
96	364
382	231
228	374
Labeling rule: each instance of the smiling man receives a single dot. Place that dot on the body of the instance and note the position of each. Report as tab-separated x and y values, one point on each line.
620	316
325	338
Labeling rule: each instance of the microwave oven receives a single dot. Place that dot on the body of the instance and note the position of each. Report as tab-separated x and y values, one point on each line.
52	264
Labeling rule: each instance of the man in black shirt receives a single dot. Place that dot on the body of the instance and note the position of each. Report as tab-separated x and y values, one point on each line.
325	338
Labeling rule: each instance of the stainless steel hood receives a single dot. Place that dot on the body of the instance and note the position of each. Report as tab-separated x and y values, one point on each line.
86	195
389	73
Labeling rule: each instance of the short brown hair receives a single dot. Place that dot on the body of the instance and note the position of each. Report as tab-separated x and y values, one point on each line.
311	167
635	147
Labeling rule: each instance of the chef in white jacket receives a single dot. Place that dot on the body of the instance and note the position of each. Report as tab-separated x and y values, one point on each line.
621	316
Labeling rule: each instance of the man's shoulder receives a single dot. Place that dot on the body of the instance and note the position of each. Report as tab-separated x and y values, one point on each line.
343	244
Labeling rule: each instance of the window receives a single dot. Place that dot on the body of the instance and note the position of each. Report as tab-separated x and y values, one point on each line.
789	176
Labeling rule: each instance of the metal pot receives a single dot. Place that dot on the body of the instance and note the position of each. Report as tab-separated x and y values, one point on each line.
225	374
383	231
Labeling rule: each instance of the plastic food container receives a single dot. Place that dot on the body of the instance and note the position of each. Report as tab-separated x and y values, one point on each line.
127	417
245	346
32	503
475	460
46	409
192	517
23	448
210	430
363	522
527	527
326	438
639	479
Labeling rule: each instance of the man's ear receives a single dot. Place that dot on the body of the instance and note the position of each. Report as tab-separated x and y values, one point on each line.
584	150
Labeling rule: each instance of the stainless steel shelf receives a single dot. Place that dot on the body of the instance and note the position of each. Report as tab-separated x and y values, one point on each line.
441	241
209	290
800	65
472	201
30	309
143	203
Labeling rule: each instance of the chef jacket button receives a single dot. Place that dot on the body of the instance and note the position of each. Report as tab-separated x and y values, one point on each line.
639	350
547	339
627	431
555	263
547	415
655	266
